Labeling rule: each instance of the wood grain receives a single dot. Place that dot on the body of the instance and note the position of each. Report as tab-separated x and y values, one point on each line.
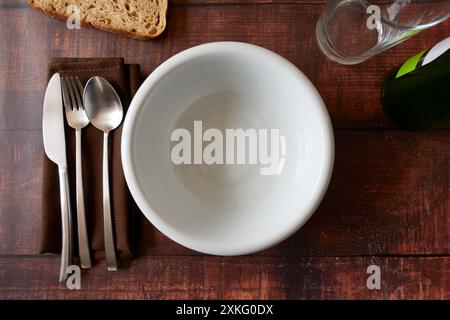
352	94
232	278
388	195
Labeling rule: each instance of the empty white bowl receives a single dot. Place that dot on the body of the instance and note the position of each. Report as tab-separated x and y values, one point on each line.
227	209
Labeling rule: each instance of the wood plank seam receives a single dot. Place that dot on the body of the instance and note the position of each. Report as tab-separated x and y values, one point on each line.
24	5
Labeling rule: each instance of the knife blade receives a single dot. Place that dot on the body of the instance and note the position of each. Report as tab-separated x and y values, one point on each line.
55	149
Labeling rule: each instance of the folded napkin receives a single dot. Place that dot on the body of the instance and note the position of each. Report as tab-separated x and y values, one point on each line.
125	79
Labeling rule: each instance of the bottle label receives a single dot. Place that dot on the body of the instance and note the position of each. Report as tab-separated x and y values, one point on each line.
411	64
437	51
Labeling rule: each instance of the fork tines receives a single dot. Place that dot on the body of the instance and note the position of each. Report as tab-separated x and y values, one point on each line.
72	93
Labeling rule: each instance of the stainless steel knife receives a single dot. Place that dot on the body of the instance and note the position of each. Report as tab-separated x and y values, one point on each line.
55	149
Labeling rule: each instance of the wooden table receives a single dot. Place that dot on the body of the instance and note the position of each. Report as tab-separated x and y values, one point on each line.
388	202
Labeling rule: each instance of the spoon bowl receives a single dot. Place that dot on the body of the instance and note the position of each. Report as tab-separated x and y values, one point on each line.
103	106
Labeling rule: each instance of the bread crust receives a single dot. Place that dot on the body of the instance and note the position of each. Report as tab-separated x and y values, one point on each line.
102	27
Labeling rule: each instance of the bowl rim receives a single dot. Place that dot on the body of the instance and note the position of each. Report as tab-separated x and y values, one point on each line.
128	164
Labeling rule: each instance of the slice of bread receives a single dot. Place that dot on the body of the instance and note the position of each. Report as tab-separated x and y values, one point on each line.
141	19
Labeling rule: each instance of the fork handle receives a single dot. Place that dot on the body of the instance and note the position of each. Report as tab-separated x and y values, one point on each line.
66	217
83	243
110	251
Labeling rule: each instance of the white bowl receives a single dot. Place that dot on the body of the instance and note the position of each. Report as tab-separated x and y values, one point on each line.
227	209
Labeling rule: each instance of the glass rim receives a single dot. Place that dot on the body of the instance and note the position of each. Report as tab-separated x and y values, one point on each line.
367	3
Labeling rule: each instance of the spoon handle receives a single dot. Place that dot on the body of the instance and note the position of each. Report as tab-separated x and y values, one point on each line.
110	252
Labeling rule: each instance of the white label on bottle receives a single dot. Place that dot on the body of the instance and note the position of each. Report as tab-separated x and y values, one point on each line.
436	51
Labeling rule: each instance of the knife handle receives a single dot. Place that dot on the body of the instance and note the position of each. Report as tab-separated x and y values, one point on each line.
66	222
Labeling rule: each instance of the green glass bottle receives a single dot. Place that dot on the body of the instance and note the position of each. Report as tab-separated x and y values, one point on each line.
417	96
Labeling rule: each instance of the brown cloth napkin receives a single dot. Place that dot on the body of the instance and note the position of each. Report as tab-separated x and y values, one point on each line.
125	79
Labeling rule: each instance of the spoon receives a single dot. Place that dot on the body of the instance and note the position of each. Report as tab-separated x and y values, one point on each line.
104	110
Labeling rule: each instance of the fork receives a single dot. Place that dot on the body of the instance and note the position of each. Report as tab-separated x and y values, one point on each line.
77	119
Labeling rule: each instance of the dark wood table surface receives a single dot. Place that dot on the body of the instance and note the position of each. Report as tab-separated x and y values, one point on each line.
388	202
